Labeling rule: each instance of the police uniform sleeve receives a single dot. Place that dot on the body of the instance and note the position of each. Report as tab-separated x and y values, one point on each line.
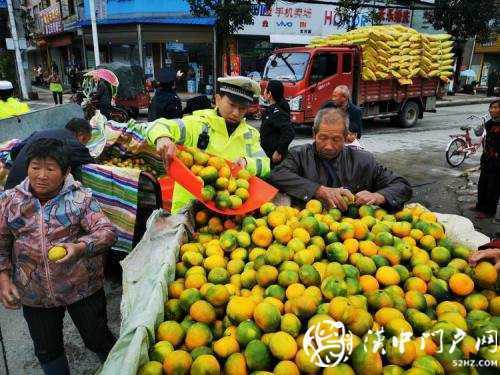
257	161
175	129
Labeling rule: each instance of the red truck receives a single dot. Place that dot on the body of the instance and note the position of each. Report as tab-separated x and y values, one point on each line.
310	75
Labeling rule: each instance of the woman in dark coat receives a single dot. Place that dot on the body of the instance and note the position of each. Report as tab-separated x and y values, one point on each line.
276	130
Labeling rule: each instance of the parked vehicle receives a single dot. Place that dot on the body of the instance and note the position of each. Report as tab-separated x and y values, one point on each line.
311	74
462	146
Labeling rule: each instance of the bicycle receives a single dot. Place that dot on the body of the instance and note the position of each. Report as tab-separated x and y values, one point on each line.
461	146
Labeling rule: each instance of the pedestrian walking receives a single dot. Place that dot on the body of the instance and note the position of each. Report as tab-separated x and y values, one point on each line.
55	87
276	130
488	191
491	82
73	78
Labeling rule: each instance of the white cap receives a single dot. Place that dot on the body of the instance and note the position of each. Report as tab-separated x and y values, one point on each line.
240	86
6	85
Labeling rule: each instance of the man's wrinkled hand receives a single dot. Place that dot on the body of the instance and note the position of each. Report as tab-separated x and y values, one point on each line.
365	197
74	252
166	149
334	196
9	295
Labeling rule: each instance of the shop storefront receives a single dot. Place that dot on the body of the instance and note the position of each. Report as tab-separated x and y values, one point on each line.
172	38
486	59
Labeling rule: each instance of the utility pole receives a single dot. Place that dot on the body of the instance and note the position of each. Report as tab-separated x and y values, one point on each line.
19	61
95	39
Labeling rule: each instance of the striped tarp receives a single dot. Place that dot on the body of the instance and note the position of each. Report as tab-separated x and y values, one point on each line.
116	190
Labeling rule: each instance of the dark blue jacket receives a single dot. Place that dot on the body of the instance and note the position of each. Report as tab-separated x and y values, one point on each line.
79	154
355	116
165	104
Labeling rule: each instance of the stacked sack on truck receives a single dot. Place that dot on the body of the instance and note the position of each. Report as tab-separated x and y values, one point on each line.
437	58
396	51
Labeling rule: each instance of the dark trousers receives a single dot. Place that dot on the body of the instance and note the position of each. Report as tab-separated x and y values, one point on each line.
56	96
488	188
88	315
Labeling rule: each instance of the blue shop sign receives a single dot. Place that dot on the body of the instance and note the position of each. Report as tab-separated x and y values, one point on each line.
126	8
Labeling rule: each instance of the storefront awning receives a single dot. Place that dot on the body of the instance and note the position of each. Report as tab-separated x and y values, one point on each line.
290	39
199	21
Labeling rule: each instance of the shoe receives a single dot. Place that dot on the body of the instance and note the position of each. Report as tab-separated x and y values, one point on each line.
58	366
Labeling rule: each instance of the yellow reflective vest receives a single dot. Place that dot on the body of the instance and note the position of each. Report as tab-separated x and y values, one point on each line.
243	142
12	107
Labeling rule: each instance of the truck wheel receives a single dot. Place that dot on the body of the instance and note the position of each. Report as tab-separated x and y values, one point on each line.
409	115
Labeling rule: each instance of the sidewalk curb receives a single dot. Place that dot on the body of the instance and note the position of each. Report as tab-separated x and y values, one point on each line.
455	103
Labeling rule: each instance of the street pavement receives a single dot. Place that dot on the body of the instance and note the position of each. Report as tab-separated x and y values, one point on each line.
417	153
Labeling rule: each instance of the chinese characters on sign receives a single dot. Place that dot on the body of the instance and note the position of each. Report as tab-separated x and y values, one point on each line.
51	19
328	343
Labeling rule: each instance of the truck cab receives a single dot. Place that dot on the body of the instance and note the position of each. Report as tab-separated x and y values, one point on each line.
309	76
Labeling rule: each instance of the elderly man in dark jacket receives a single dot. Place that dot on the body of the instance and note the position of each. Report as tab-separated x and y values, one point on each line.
328	171
341	99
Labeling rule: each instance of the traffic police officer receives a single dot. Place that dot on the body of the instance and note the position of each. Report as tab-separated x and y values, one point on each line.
222	131
166	103
10	106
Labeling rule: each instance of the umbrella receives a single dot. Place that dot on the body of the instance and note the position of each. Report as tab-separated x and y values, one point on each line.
106	75
468	73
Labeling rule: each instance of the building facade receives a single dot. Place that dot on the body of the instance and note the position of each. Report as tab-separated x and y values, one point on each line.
154	34
295	24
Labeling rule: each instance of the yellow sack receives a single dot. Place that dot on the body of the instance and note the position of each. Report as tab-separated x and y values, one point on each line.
405	45
415	45
404	38
405	81
394	44
415	38
414	72
447	44
447	56
383	45
404	72
416	52
383	68
396	74
447	62
368	74
381	75
426	60
434	73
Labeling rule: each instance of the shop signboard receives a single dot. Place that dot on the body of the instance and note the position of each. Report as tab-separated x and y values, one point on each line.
51	19
129	8
305	19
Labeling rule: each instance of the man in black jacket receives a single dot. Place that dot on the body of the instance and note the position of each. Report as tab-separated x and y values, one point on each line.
328	171
341	99
76	135
165	103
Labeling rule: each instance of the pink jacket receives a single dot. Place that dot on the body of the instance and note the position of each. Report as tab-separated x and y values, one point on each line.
28	231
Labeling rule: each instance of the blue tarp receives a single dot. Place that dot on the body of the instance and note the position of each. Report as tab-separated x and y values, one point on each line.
200	21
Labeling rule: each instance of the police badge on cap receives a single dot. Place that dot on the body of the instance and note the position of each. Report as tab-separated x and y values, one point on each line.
240	87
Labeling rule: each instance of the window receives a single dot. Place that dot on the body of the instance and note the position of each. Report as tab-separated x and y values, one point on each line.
324	65
288	67
347	63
